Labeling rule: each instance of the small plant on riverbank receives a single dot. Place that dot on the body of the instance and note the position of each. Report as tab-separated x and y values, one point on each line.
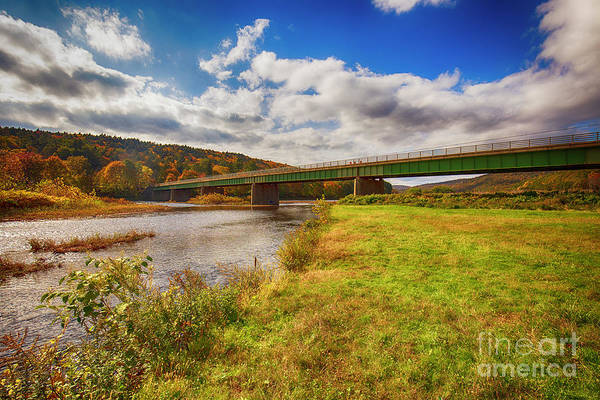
322	209
87	244
297	249
248	279
16	268
29	371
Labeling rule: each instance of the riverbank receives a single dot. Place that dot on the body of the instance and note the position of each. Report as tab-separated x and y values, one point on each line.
393	304
24	205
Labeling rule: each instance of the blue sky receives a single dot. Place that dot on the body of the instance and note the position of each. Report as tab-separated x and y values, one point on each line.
485	40
301	81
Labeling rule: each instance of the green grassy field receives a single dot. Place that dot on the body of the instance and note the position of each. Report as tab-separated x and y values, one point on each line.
395	301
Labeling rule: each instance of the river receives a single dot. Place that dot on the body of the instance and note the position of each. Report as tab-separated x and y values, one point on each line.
195	237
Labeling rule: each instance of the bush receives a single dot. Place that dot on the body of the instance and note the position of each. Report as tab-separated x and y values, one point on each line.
58	188
134	331
14	199
442	189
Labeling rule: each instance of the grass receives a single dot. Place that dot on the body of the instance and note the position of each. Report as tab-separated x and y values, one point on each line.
393	302
10	268
217	198
96	242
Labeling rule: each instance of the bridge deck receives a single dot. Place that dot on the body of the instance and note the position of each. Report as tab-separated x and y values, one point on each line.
573	151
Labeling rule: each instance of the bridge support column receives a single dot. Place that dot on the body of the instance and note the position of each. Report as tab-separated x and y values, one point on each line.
265	194
368	186
181	195
211	189
161	195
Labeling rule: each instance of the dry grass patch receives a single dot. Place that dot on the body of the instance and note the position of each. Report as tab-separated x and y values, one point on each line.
15	268
96	242
217	198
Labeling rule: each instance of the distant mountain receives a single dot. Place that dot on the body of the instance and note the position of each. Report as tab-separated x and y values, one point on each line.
584	179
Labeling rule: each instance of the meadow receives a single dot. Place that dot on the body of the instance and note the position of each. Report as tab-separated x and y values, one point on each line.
386	302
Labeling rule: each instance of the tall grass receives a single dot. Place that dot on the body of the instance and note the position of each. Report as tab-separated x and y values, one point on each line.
17	268
87	244
297	249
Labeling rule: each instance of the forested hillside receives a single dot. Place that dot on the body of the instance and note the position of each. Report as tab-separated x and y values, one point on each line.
119	167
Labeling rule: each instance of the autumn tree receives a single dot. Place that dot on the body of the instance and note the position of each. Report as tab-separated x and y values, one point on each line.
123	179
79	173
220	170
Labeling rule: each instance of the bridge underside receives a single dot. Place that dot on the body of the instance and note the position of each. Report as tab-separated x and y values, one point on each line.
369	176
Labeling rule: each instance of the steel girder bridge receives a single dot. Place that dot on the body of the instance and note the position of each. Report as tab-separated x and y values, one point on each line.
574	151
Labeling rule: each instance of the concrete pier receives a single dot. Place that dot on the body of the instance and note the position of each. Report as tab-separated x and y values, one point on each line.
265	194
364	186
181	195
161	195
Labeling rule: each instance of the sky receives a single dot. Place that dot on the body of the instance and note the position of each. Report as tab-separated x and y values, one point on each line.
301	82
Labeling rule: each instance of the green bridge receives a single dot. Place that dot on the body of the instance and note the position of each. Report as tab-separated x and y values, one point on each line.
575	151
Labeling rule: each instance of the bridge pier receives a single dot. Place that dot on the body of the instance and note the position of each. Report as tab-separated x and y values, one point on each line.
264	194
364	186
161	195
181	195
211	189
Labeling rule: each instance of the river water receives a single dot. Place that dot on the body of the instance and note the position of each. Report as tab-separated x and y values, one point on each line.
195	237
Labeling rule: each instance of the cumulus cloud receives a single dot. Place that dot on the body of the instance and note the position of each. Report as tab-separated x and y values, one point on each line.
106	32
304	110
243	50
372	110
402	6
49	83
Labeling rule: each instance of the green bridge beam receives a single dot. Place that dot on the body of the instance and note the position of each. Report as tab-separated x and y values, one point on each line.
559	157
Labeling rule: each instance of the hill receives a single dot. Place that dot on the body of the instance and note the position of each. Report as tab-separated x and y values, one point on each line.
120	167
579	180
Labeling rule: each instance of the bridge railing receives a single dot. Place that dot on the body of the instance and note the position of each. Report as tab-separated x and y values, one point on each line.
572	139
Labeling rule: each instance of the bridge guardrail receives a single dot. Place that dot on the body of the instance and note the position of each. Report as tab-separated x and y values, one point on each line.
572	139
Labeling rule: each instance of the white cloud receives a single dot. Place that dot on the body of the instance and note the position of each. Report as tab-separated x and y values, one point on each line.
304	110
402	6
106	32
226	43
243	50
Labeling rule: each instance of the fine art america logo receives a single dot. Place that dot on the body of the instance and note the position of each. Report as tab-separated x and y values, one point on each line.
499	347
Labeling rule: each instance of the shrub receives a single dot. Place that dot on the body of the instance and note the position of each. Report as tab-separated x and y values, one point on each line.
58	188
442	189
15	199
322	209
296	251
413	190
133	330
